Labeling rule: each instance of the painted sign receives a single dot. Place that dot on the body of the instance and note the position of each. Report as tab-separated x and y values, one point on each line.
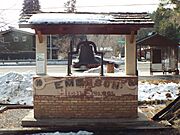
85	86
40	63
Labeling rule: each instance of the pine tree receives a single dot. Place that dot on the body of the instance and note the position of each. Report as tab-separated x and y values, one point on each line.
166	19
30	6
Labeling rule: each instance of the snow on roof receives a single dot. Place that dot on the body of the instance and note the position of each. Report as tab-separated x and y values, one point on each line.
56	18
90	18
22	30
32	31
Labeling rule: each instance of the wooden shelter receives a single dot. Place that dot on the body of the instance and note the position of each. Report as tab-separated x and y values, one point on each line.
164	53
87	96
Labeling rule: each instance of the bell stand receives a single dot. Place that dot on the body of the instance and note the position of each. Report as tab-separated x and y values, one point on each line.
77	51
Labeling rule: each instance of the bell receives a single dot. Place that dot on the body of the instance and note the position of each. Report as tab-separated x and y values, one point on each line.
86	57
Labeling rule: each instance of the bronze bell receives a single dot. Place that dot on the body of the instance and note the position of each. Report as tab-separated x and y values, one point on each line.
86	57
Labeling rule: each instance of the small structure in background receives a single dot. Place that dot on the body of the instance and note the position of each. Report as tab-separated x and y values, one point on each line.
163	53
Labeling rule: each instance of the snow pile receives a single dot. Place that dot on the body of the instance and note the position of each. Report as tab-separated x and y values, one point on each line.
16	88
70	133
162	91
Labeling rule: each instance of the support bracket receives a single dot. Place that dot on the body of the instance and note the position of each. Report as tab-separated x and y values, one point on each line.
40	37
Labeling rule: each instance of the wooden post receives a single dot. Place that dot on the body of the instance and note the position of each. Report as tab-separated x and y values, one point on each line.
130	55
41	54
140	51
110	68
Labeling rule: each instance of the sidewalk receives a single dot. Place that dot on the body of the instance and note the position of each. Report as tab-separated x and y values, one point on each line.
144	70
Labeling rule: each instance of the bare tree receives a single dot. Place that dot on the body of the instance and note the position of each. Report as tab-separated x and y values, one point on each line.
65	40
70	6
106	43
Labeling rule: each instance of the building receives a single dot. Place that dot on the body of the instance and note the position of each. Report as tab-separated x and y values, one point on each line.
17	44
20	44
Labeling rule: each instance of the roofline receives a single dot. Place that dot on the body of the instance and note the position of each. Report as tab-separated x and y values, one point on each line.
93	12
150	36
14	29
86	28
147	37
26	25
26	32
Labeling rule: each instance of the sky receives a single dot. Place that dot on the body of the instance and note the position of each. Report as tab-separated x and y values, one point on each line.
10	9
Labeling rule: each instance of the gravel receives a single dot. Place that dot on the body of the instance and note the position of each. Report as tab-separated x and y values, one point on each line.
12	118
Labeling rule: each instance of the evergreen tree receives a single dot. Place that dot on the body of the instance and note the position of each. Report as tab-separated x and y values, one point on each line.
30	6
167	20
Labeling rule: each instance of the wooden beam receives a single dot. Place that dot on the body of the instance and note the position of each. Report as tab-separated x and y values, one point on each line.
132	37
87	29
40	37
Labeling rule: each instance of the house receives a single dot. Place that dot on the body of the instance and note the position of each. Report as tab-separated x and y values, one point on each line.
17	44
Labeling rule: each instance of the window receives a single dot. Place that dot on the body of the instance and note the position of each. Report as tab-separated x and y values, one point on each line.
156	55
2	39
24	38
16	39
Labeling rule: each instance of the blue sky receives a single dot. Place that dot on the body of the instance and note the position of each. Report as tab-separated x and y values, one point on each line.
10	9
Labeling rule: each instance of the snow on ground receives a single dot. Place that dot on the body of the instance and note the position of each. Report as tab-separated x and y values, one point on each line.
16	88
161	91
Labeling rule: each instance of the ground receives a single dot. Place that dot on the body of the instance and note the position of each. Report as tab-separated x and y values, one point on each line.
11	119
151	110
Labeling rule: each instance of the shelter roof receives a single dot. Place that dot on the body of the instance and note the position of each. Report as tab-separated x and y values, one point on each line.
86	23
157	40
